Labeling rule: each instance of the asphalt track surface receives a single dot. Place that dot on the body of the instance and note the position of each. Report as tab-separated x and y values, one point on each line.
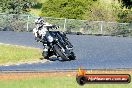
92	52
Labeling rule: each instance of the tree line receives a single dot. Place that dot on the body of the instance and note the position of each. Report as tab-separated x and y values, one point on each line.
103	10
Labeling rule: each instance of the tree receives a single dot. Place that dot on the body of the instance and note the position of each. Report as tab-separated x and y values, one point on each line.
127	3
73	9
15	6
103	11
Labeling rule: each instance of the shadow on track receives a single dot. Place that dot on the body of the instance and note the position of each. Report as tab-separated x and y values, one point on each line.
54	59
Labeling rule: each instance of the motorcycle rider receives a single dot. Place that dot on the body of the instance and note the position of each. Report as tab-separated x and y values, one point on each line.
42	34
41	31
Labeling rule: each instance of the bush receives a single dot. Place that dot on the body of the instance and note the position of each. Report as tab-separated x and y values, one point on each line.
98	10
125	15
72	9
37	6
103	11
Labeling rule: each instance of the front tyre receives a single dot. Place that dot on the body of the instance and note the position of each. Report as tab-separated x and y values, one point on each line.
45	55
58	50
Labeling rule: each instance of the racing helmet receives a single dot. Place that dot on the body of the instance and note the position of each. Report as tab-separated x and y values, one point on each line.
39	22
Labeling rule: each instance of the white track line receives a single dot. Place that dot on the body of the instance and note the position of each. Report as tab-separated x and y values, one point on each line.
30	62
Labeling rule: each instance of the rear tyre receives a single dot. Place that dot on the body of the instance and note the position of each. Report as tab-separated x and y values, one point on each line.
60	53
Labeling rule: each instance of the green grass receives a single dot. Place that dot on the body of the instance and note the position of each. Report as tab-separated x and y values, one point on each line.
41	1
35	12
13	53
54	82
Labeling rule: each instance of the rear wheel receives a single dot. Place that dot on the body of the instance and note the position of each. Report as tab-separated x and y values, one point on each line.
60	53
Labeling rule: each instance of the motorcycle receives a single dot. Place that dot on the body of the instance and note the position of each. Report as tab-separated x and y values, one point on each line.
60	46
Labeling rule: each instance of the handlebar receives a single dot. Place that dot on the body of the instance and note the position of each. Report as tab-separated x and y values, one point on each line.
52	27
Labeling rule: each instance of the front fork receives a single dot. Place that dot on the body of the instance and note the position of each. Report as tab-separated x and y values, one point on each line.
45	49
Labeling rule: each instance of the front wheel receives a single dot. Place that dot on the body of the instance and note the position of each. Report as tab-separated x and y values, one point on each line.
45	55
58	50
